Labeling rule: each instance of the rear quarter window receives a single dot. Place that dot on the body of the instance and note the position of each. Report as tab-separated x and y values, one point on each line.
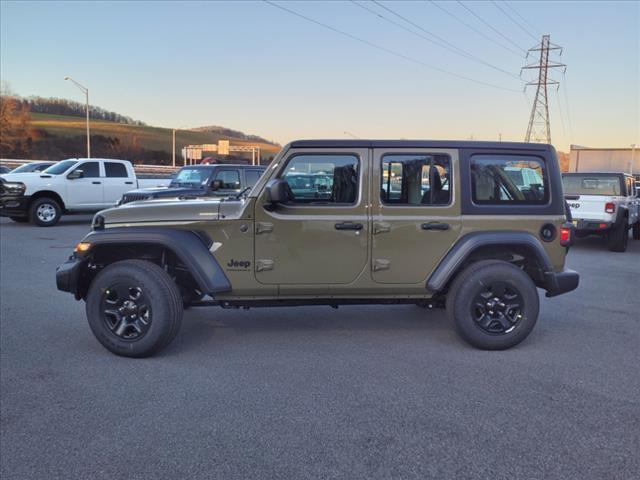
509	179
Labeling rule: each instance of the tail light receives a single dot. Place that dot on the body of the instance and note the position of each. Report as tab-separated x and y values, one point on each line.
610	207
566	234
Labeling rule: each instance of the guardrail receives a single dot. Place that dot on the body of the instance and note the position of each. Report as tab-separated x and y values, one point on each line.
139	168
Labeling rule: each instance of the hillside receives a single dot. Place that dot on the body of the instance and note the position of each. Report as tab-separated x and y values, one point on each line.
154	139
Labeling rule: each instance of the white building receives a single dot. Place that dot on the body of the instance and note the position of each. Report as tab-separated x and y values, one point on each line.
584	159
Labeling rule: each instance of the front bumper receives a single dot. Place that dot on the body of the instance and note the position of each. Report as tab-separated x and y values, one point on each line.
557	283
68	276
14	206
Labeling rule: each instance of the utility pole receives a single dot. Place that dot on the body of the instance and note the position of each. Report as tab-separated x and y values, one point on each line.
539	130
84	90
173	150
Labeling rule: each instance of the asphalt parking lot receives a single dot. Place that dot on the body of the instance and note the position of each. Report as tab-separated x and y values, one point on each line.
359	392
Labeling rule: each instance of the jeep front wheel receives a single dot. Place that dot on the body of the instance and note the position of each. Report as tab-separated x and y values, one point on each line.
134	308
493	304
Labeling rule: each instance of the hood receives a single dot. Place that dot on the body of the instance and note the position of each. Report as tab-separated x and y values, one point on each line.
166	191
172	210
22	177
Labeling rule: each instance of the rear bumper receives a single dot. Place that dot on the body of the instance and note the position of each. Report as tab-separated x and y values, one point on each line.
557	283
14	206
68	276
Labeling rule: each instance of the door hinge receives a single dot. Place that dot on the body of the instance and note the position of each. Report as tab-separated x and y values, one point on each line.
263	265
263	227
381	264
381	227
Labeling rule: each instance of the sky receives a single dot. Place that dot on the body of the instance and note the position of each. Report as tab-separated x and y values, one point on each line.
251	66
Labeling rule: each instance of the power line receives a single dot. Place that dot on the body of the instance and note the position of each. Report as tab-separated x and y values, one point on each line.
492	27
471	27
566	102
386	50
564	131
524	20
514	21
452	48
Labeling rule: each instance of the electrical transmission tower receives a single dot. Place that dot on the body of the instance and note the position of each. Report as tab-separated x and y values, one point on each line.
539	129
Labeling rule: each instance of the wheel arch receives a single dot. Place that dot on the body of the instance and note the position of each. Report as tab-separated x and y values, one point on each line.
184	253
520	248
48	194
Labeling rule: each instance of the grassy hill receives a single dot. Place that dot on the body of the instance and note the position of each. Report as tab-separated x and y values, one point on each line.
146	137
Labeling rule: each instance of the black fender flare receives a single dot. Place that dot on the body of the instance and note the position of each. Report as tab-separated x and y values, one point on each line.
192	248
469	243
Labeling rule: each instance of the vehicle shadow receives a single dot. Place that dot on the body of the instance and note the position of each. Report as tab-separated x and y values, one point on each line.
205	325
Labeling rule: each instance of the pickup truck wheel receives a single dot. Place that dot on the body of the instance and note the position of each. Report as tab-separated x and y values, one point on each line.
20	219
636	230
493	304
134	308
618	238
45	212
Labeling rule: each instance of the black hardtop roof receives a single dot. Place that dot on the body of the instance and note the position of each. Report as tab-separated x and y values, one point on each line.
216	165
598	173
357	143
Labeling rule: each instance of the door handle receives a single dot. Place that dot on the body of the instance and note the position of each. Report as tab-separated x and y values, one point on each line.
435	226
96	183
128	183
349	226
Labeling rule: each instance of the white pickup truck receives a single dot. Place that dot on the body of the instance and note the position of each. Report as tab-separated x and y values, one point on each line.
604	204
70	186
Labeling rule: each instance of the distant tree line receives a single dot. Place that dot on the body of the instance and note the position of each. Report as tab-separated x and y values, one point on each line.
62	106
228	132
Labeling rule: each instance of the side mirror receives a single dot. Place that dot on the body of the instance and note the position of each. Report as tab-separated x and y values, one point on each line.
77	173
216	185
278	191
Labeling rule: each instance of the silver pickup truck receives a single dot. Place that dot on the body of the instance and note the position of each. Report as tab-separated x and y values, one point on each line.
604	204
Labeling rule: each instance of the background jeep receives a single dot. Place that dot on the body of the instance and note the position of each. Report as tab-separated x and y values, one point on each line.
472	226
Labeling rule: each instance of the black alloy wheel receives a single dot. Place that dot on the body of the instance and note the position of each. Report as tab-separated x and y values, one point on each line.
497	308
126	311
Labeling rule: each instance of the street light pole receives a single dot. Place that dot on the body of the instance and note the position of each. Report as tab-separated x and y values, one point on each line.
173	150
84	90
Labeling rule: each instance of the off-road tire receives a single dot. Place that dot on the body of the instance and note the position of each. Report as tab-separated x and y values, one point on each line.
618	237
636	230
43	205
165	305
20	219
473	281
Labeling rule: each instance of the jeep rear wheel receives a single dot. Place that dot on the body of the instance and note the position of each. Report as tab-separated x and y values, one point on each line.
134	308
45	212
618	238
493	304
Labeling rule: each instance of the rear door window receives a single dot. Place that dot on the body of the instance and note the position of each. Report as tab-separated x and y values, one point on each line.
115	170
252	177
416	179
509	179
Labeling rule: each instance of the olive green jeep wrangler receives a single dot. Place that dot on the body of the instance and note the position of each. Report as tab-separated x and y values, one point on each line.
474	227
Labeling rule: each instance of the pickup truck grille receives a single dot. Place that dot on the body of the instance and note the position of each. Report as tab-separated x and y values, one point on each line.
133	197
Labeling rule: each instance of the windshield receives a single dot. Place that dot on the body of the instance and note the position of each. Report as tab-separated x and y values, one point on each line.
31	167
60	167
590	184
190	177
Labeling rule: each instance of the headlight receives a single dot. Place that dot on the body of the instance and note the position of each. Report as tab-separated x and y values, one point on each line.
13	188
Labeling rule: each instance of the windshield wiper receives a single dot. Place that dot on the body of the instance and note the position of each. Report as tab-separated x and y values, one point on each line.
242	192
